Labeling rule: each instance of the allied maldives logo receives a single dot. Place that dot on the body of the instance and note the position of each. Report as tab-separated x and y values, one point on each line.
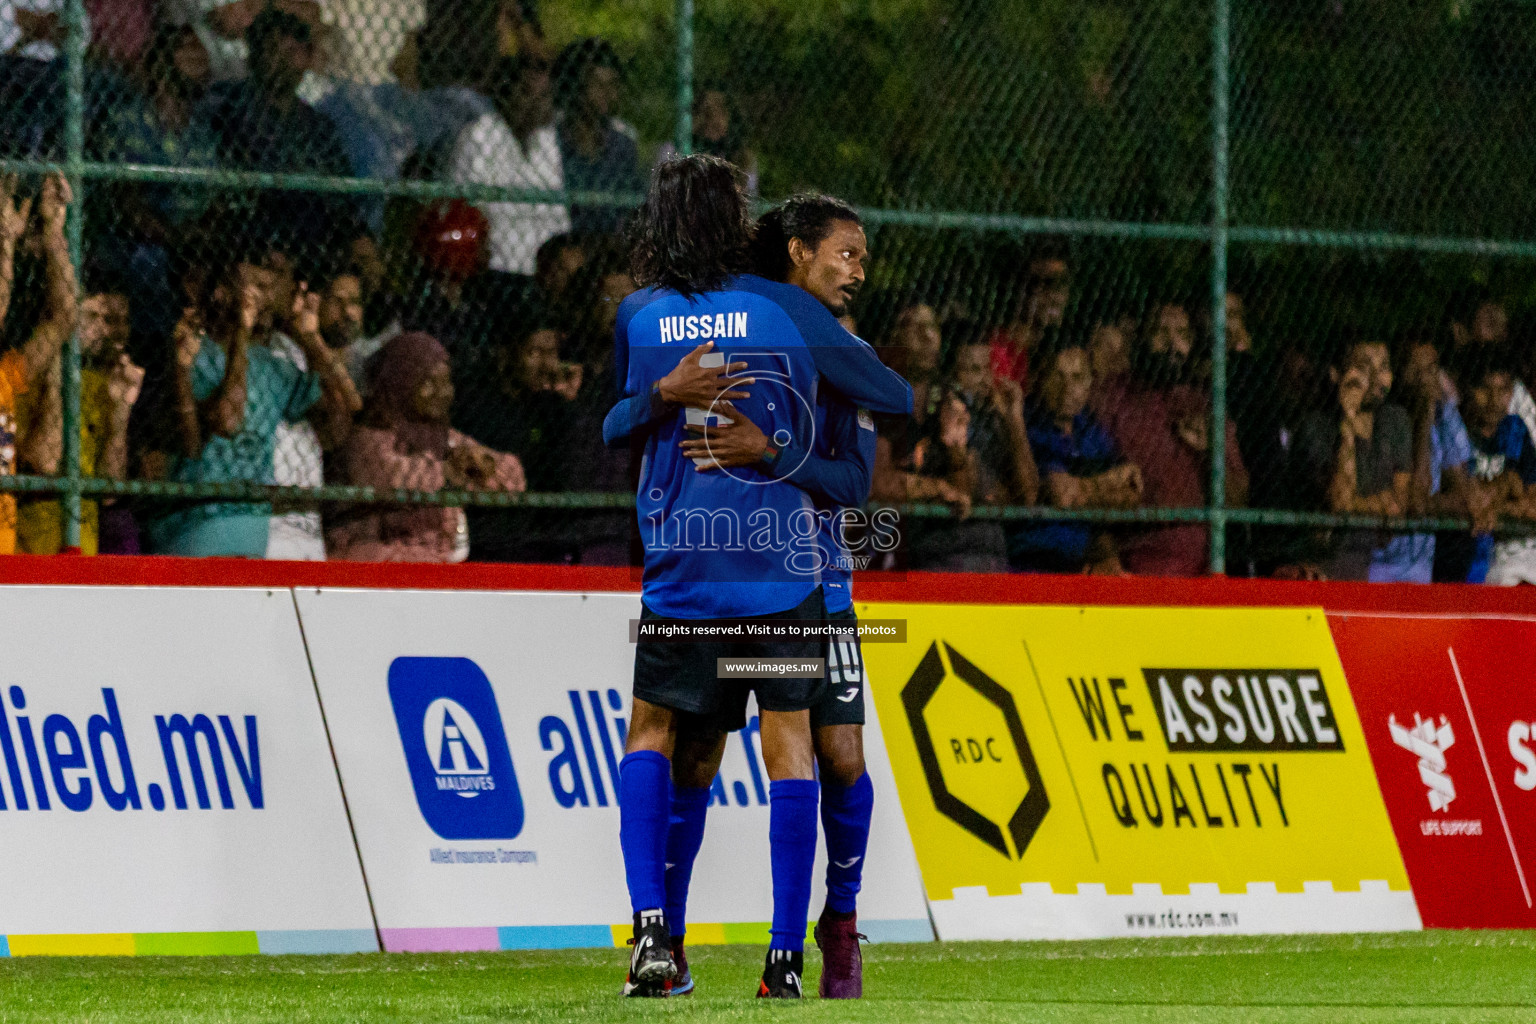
975	756
461	767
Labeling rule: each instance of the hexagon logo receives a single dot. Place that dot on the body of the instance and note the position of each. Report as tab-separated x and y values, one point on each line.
974	752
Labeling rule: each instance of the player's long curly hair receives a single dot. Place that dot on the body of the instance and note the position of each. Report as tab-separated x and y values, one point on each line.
694	229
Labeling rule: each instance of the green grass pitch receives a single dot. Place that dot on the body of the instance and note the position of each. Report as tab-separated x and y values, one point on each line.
1433	977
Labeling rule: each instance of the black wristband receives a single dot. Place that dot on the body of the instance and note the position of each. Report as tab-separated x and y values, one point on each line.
659	406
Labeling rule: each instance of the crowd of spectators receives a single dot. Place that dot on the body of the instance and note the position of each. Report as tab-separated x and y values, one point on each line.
303	337
1115	413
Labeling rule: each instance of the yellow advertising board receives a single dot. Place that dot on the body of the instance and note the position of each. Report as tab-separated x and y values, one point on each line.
1072	771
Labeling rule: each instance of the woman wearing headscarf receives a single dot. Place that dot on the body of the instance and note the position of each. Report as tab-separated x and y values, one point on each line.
403	441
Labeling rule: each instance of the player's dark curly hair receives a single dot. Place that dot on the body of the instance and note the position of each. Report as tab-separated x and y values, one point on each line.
808	216
693	231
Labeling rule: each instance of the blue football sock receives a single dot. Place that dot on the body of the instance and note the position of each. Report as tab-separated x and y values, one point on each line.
684	837
645	796
792	842
845	813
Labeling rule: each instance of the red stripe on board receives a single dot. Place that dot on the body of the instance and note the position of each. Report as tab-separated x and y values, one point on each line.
967	588
158	571
1208	591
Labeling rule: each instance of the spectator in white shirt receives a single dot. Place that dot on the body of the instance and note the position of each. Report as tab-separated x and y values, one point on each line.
370	34
516	147
340	319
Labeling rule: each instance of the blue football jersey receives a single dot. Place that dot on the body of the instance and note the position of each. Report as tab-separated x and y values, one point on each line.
837	476
740	542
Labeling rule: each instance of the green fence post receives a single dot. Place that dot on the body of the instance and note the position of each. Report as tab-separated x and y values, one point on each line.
74	163
684	139
1221	56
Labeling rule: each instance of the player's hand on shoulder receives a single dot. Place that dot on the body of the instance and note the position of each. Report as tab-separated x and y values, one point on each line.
693	384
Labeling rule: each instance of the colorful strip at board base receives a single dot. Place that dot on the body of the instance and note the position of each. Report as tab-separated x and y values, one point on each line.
599	936
352	940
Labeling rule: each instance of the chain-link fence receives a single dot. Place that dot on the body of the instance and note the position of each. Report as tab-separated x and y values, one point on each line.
1236	287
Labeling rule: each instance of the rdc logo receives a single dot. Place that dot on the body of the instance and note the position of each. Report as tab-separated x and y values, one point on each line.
455	747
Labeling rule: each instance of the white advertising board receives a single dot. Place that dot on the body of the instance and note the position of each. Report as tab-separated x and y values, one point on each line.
166	781
478	737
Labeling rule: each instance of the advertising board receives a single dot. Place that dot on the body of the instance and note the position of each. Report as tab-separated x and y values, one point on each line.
1079	771
1448	706
1095	772
165	781
478	737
